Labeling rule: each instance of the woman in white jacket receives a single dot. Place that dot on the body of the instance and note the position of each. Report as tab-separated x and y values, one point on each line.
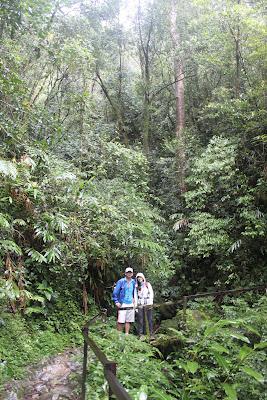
145	297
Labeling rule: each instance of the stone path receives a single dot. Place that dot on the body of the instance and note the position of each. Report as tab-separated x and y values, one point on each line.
54	379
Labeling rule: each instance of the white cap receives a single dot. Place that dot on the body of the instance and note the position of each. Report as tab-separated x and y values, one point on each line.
128	269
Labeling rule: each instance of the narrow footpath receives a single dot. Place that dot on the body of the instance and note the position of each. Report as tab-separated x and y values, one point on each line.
56	378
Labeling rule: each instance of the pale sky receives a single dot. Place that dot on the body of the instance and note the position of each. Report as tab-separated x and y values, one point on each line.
127	13
128	10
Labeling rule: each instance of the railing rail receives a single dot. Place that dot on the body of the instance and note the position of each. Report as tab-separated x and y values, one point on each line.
110	367
221	293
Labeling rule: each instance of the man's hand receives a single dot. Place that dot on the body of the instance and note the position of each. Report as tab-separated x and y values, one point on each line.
118	305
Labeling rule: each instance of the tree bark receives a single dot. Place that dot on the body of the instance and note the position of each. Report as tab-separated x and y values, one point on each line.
237	57
116	109
179	96
145	60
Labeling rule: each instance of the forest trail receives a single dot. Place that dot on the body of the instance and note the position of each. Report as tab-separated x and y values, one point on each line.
52	379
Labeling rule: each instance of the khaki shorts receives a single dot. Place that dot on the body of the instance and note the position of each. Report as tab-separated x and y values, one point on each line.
126	315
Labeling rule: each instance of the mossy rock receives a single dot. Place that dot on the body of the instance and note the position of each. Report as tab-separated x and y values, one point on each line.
168	344
169	323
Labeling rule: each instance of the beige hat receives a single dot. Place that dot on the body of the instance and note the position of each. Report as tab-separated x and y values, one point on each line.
140	275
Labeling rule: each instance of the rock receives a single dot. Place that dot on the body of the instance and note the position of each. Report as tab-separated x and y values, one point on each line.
12	396
41	388
45	396
50	380
34	396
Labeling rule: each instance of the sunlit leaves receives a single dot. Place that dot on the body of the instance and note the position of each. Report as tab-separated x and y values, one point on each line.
52	254
254	374
208	234
9	290
36	256
244	352
10	246
217	347
235	246
230	391
240	337
219	355
8	168
3	221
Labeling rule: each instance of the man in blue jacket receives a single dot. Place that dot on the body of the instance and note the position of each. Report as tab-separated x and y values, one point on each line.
124	296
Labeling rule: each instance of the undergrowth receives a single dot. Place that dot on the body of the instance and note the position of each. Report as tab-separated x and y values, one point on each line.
23	343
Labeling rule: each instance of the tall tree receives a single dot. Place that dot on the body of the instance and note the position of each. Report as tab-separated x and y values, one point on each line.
145	33
179	92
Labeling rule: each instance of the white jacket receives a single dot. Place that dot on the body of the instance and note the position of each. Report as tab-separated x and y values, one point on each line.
145	294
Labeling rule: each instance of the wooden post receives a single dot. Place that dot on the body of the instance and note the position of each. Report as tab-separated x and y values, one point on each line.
111	366
85	353
146	322
184	309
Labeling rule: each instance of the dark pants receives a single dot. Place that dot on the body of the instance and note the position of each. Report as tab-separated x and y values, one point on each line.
141	320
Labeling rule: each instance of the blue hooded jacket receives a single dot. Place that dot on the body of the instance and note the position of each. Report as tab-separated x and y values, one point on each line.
119	290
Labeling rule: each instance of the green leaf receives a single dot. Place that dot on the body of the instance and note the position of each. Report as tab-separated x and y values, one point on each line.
261	345
240	337
9	245
213	328
34	310
219	348
221	361
192	366
252	329
19	222
161	395
254	374
178	333
48	295
230	391
52	254
244	352
3	221
40	299
36	256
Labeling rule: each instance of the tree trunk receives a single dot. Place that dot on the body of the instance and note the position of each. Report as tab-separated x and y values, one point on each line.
116	110
85	299
145	60
179	96
237	57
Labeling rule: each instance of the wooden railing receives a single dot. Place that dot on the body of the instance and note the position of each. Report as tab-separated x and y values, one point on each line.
220	293
110	367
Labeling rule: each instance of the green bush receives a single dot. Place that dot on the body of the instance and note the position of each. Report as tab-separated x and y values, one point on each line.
224	354
139	367
22	344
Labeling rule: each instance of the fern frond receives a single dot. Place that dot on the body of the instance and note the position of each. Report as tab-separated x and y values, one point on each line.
10	246
235	246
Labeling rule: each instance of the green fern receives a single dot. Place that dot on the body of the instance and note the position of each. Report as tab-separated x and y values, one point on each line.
10	246
3	221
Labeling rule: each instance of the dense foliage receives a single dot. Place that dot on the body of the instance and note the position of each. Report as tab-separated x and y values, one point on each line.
131	141
221	352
